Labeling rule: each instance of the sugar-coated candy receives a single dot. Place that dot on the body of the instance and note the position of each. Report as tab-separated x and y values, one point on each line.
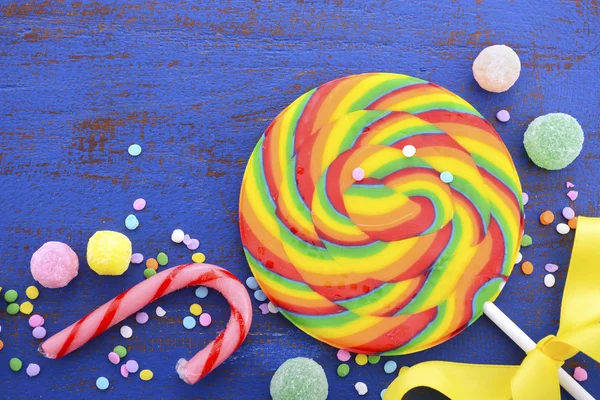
109	253
54	265
299	379
497	68
553	141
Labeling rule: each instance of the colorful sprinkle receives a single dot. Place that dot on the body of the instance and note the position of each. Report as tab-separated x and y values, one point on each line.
26	308
39	332
198	258
572	194
134	150
358	174
32	292
409	150
526	241
132	366
32	370
563	229
141	318
1	344
568	213
152	263
519	258
148	273
186	239
343	355
137	258
162	259
15	364
205	319
525	198
264	308
382	393
201	292
11	296
131	222
139	204
572	223
196	309
121	351
361	388
446	177
390	367
549	280
12	309
343	370
503	116
361	359
252	283
114	358
124	372
177	236
102	383
160	312
260	295
126	331
272	308
527	268
547	217
194	244
551	267
374	359
580	374
146	375
36	320
569	185
189	322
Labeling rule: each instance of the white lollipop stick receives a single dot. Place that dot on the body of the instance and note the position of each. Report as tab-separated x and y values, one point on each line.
525	343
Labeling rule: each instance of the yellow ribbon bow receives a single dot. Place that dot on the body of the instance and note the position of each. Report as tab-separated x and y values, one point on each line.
537	376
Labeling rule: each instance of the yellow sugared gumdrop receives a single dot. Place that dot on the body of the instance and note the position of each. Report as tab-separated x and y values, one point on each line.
109	253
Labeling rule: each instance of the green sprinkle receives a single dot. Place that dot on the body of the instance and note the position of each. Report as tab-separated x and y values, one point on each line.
374	359
11	296
343	370
162	258
12	309
121	351
148	272
15	364
526	241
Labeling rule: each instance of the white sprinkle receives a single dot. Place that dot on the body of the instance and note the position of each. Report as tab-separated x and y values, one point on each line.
126	332
361	388
562	228
408	151
525	198
272	308
160	311
177	236
549	280
519	258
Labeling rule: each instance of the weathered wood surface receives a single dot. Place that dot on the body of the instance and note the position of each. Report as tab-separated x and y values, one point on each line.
195	83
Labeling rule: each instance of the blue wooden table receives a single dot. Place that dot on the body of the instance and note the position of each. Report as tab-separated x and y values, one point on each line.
195	84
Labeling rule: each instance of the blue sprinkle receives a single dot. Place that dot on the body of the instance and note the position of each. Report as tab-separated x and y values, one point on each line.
260	295
252	283
382	393
201	292
134	150
390	366
446	177
102	383
189	322
131	222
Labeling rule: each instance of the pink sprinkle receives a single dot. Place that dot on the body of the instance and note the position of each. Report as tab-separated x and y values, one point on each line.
132	366
358	174
343	355
580	374
39	332
114	358
572	194
141	318
570	185
124	371
187	239
194	244
137	258
139	204
205	319
264	308
551	267
568	213
36	320
503	116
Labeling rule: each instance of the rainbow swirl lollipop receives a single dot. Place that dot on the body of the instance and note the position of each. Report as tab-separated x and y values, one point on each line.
399	261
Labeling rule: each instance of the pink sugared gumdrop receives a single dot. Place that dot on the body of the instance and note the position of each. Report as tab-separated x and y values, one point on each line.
54	265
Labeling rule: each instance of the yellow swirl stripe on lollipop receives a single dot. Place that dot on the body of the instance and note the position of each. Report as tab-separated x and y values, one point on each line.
400	260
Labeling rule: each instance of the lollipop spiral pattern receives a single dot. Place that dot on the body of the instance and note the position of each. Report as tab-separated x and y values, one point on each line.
399	261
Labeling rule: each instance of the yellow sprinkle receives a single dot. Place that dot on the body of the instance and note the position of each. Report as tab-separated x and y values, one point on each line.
146	375
403	369
26	308
32	292
198	258
361	359
196	309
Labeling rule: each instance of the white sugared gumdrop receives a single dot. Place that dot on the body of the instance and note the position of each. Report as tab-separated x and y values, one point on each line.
497	68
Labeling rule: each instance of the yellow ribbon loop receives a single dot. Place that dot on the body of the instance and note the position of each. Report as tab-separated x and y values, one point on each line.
537	376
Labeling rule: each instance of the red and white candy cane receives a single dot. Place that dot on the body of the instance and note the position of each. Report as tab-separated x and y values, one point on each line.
144	293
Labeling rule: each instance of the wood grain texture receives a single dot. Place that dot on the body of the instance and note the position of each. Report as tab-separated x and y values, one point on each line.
195	83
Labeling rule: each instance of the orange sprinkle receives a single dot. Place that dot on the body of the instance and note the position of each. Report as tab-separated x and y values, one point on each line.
1	344
527	268
152	264
573	223
547	217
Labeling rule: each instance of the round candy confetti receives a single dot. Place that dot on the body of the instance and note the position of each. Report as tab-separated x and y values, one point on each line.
160	312
553	141
109	253
198	258
1	344
194	244
177	236
114	357
572	223
152	263
36	320
446	177
139	204
547	217
162	259
264	308
580	374
527	268
358	174
205	319
252	283
33	370
563	229
390	367
132	366
299	379
141	318
189	322
526	241
382	393
12	309
409	150
343	355
260	295
343	370
519	258
131	222
137	258
124	372
549	280
126	331
26	308
196	309
11	296
361	359
272	308
149	273
551	267
568	213
503	116
201	292
39	332
525	198
146	375
54	265
361	388
32	292
374	359
569	185
102	383
186	239
134	150
572	194
497	68
15	364
121	351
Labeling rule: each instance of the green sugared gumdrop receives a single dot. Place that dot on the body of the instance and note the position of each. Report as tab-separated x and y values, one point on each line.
553	141
299	379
